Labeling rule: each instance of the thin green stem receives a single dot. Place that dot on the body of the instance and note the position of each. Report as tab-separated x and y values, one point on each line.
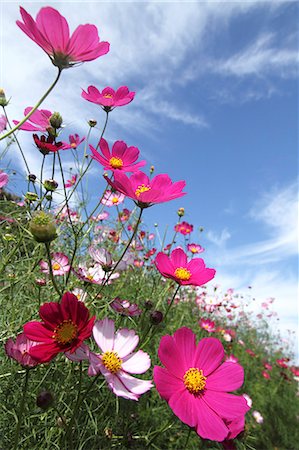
68	432
47	245
21	410
34	108
171	302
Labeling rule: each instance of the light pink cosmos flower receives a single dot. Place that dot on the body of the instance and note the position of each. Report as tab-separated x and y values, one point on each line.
19	350
60	264
3	179
108	99
94	274
208	325
180	270
117	360
125	308
80	294
51	32
231	358
3	123
146	192
121	157
101	216
38	121
258	417
81	354
71	182
74	142
112	198
103	257
195	382
195	248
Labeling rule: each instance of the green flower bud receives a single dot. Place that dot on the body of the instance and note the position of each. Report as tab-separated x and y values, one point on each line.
3	101
92	123
152	169
56	120
43	227
50	185
32	177
31	196
181	212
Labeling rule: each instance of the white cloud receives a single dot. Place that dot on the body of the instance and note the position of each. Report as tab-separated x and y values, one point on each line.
218	239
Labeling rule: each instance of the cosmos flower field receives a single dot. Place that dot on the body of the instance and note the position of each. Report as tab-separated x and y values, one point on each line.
111	335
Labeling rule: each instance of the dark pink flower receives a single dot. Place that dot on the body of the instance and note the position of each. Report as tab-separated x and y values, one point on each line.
108	99
74	142
19	350
183	272
51	32
121	157
266	375
184	228
38	121
195	382
208	325
71	182
146	192
125	308
195	248
3	179
3	123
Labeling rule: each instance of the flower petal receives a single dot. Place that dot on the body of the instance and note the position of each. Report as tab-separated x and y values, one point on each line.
125	342
103	333
138	362
209	354
227	377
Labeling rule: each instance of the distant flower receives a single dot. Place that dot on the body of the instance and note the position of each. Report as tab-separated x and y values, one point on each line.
108	99
124	215
38	121
195	382
267	366
282	362
258	417
51	32
121	158
3	123
74	142
60	264
266	375
3	179
112	198
231	358
117	360
180	270
64	327
46	144
295	371
125	308
184	228
250	352
101	216
248	400
102	256
19	350
80	294
94	274
195	248
208	325
71	182
146	192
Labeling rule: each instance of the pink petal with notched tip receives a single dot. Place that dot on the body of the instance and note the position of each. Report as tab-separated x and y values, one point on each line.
166	383
184	407
171	357
178	258
134	385
103	333
125	342
209	355
54	27
185	341
209	424
227	377
202	277
138	362
105	149
227	406
164	264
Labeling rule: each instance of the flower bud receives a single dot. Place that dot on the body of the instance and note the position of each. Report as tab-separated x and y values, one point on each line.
42	226
156	317
56	120
44	400
40	281
31	196
148	304
49	197
32	177
3	101
201	229
50	185
152	169
181	212
92	123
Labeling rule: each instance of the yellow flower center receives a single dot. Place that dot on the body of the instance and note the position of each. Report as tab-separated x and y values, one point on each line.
89	277
56	266
108	96
116	163
115	200
66	332
73	145
194	380
193	250
111	361
182	274
142	188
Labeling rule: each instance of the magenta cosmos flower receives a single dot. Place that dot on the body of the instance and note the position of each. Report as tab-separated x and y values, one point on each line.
38	121
60	264
64	327
108	99
146	192
74	142
184	228
195	382
121	157
195	248
117	360
3	179
183	272
19	350
208	325
71	182
51	32
3	123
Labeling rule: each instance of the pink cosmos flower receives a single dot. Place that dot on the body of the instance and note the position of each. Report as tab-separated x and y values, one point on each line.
101	216
19	350
266	375
267	366
195	382
146	192
232	358
121	157
71	182
108	99
195	248
60	264
81	354
117	361
258	417
112	198
74	142
3	179
64	327
208	325
184	228
94	274
51	32
183	272
38	121
3	123
125	308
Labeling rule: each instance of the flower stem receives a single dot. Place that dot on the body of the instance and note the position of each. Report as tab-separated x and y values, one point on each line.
171	302
34	108
21	410
51	270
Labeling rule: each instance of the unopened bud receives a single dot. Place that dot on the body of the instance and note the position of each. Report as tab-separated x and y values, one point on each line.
148	304
3	101
32	177
56	120
49	197
181	212
50	185
201	229
156	317
152	169
42	226
44	400
31	196
92	123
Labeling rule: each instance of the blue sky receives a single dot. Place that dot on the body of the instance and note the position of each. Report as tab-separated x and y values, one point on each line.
216	104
